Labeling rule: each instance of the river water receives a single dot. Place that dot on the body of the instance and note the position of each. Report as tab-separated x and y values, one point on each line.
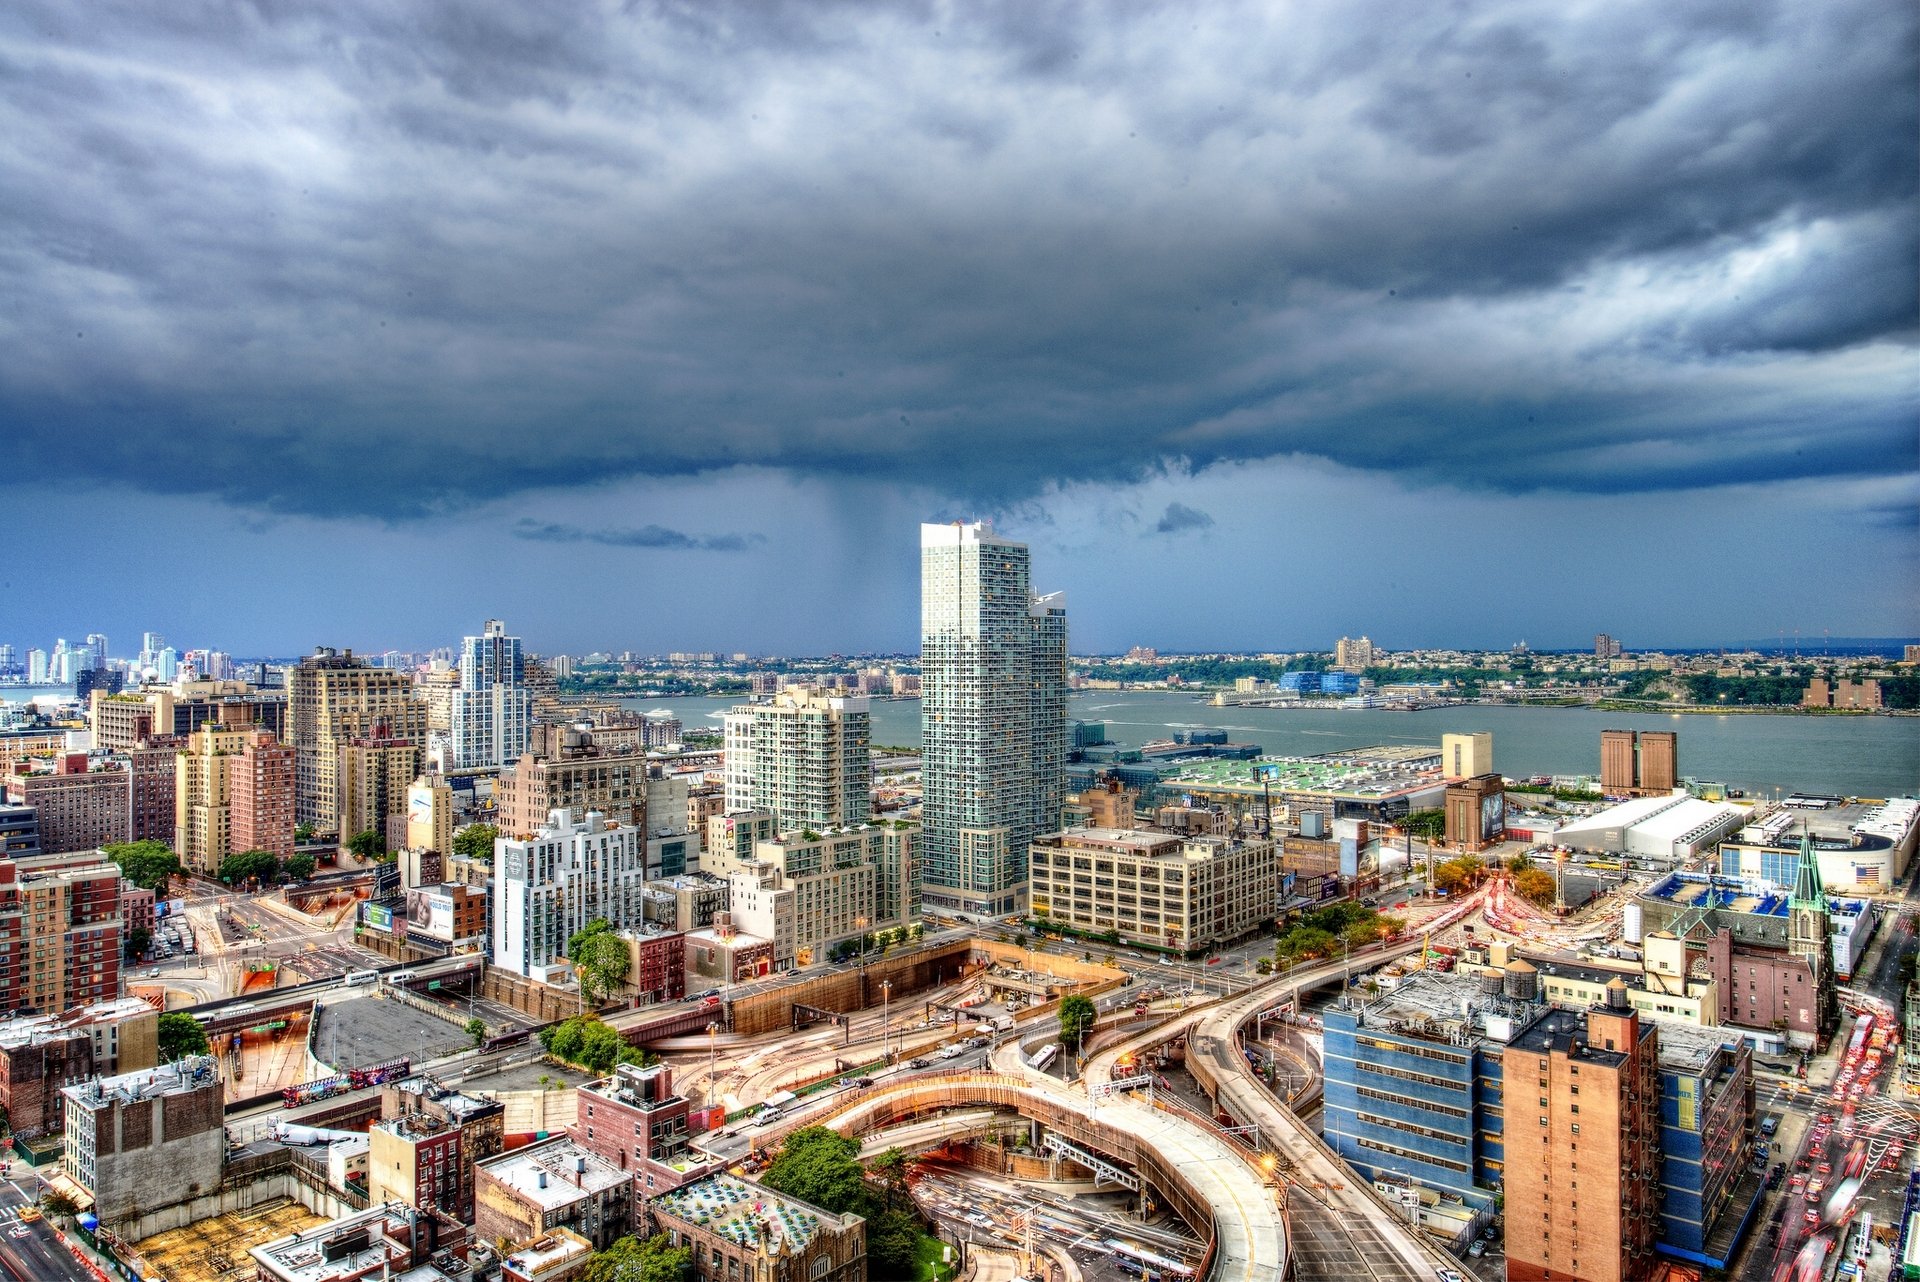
1850	756
1759	753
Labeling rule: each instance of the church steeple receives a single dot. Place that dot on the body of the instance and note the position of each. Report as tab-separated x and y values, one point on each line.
1808	890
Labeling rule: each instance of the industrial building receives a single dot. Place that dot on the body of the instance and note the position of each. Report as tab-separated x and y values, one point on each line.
1863	848
1659	831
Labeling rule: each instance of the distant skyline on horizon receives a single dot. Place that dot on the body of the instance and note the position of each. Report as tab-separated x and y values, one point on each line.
671	323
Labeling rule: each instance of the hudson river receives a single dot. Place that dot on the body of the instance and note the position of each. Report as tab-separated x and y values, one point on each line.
1851	756
1756	752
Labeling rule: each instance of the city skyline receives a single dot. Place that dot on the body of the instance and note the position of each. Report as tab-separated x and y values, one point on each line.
1296	312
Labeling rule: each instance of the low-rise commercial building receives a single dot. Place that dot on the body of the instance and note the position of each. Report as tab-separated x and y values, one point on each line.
39	1054
1160	889
429	1137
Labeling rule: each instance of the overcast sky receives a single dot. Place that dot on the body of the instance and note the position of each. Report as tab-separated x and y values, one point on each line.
663	326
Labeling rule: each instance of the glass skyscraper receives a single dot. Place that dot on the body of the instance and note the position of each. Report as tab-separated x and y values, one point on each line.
492	710
993	715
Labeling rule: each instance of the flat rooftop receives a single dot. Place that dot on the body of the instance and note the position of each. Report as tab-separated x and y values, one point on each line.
1361	772
736	1210
193	1073
559	1161
1697	890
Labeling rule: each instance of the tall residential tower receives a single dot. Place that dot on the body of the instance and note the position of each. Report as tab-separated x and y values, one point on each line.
993	713
803	757
492	708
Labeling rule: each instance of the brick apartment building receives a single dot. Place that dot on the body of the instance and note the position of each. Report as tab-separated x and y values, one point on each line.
81	805
638	1124
39	1054
60	932
147	1139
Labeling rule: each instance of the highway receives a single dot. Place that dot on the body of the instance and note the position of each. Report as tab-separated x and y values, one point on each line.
1340	1227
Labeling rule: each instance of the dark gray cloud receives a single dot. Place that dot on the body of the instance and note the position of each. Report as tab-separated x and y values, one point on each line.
1179	517
656	537
396	261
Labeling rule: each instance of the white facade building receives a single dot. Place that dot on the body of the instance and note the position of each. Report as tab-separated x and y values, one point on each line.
553	883
803	757
993	715
492	710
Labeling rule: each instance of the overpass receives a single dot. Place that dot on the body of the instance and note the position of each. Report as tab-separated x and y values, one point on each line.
1204	1178
1341	1226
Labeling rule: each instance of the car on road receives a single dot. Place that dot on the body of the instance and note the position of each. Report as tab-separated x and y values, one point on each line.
917	1063
1478	1249
29	1214
19	1230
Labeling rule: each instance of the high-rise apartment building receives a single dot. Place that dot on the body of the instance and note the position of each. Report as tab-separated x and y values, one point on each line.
1350	655
1636	763
203	793
1606	647
993	714
260	795
549	885
81	804
372	777
807	891
803	757
1585	1181
334	698
580	774
60	932
153	762
492	708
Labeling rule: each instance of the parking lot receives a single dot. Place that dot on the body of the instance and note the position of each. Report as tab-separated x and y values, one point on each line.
361	1031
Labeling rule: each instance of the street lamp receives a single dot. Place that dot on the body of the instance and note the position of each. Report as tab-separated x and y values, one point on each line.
712	1031
886	1020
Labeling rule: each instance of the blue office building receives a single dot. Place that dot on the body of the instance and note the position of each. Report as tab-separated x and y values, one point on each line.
1413	1092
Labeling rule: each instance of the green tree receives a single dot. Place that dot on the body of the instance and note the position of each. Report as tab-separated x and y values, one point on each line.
1077	1014
602	961
891	1167
54	1202
147	864
564	1040
477	1030
1427	825
598	926
893	1246
250	865
299	865
1519	863
819	1166
303	832
475	841
630	1259
179	1035
137	940
367	845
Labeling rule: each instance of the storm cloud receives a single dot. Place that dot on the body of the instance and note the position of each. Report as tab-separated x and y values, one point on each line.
397	262
655	537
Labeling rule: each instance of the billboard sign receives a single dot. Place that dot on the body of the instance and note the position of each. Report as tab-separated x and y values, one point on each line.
1265	773
378	916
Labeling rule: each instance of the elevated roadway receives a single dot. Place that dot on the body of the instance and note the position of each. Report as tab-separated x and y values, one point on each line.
1211	1183
1341	1227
